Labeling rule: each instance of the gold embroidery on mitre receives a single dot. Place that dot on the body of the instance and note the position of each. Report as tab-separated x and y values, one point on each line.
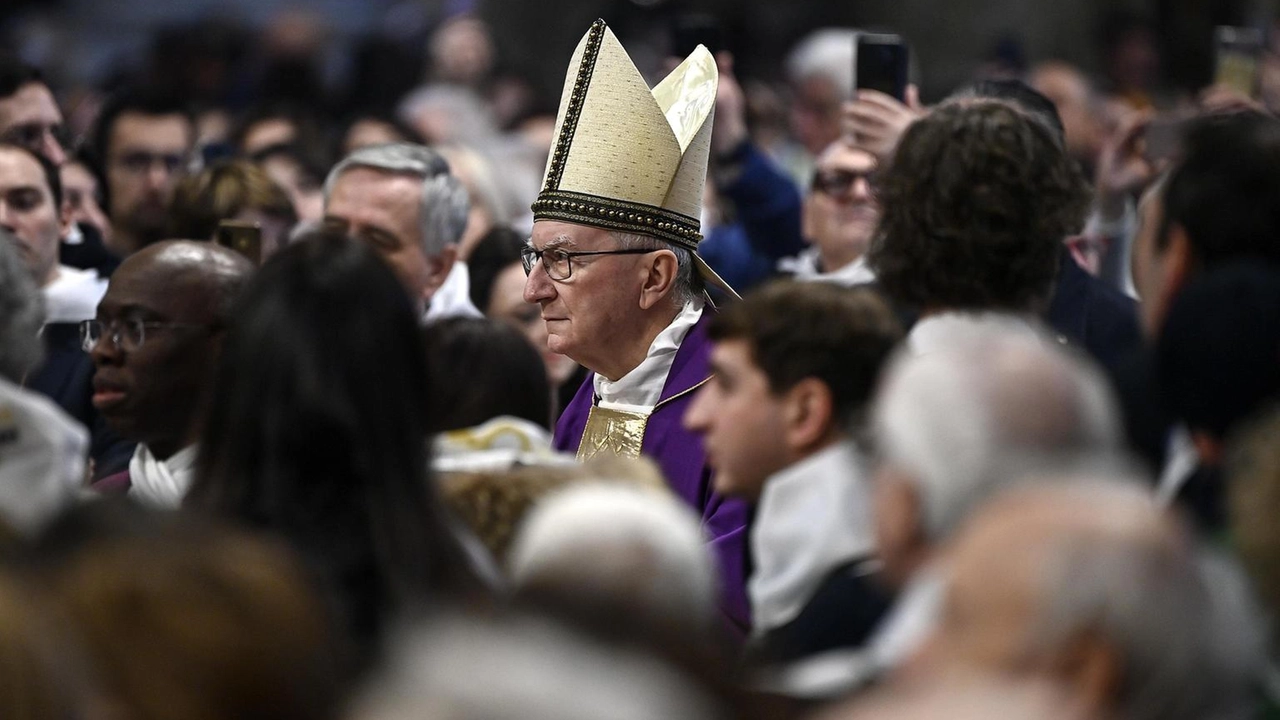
619	215
569	123
614	432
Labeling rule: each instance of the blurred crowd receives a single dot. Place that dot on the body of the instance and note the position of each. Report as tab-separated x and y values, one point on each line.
730	398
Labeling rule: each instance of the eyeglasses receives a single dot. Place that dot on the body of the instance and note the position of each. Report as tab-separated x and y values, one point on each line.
559	263
837	183
31	136
140	162
127	335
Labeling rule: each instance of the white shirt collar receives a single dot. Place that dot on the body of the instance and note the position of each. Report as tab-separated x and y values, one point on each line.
453	297
161	483
807	266
73	296
813	517
640	389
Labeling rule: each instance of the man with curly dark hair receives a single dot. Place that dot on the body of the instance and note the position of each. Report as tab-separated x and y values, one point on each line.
976	205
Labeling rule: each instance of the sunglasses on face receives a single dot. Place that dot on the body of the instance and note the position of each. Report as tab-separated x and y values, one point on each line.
837	183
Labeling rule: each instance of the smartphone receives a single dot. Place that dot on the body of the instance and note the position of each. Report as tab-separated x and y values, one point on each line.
243	237
694	29
880	63
1237	54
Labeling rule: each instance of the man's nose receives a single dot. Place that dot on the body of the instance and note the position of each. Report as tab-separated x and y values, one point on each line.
158	175
695	418
105	351
860	189
538	286
52	149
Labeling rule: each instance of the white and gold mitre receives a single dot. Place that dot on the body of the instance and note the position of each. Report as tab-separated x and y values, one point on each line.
629	158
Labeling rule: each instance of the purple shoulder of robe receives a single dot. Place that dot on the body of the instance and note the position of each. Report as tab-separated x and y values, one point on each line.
683	460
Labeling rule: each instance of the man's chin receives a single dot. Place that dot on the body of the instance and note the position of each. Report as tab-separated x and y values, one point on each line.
148	222
559	345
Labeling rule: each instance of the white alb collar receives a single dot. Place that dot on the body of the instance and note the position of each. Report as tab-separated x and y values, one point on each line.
640	389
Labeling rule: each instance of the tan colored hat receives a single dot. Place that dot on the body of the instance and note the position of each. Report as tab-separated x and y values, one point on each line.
627	158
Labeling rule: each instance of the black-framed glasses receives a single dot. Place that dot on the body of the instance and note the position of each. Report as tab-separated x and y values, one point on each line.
838	183
559	263
127	335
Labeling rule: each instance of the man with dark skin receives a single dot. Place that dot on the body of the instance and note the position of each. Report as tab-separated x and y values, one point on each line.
154	345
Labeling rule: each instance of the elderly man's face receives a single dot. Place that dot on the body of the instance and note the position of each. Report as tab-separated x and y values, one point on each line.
146	156
591	314
30	118
841	212
381	209
28	211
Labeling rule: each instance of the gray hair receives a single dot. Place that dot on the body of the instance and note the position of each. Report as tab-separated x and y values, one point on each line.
985	409
1180	616
442	213
21	313
527	669
826	53
639	548
688	284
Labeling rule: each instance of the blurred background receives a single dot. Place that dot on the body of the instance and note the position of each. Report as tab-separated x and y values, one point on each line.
234	52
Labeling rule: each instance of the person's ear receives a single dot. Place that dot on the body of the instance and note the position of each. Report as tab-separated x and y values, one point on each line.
808	414
899	520
806	217
659	270
439	267
1093	671
64	219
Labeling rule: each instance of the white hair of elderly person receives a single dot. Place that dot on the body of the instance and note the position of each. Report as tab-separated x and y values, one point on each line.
1093	586
606	549
525	669
991	404
42	450
990	401
827	53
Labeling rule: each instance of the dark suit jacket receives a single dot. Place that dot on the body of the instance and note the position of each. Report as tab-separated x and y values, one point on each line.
843	612
89	254
1092	314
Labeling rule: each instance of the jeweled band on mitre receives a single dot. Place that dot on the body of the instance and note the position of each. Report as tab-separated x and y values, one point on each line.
618	215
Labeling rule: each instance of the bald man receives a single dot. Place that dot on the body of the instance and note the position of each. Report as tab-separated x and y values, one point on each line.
1092	586
154	346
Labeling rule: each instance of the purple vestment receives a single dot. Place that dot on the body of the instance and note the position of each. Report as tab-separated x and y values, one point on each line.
684	463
